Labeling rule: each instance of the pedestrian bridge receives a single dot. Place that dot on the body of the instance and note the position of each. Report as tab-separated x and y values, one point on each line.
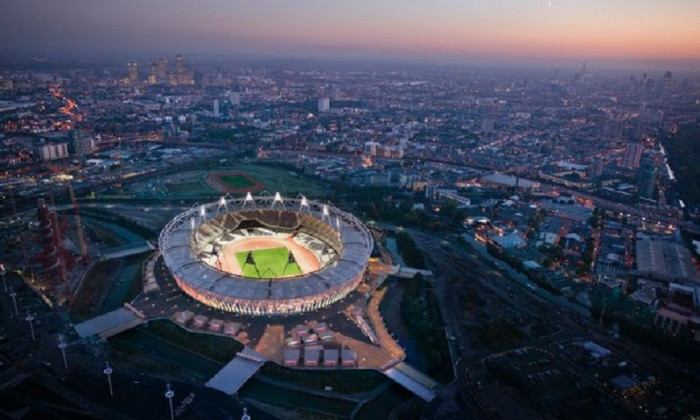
413	380
236	372
128	250
109	324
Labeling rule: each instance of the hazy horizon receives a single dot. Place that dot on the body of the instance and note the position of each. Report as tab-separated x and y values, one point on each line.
541	33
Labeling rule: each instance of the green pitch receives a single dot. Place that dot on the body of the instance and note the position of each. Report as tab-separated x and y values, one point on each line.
271	262
236	181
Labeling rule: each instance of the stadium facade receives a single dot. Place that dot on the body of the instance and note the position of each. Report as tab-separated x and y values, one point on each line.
191	243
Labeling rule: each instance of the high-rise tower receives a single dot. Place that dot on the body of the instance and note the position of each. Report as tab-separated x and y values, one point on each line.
132	69
646	180
162	70
633	153
324	104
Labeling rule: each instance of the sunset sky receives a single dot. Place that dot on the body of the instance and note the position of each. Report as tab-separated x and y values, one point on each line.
576	29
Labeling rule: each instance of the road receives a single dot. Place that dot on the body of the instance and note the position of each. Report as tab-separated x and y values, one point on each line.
507	294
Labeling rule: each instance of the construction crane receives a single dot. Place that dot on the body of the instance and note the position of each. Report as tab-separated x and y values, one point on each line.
78	224
58	242
20	236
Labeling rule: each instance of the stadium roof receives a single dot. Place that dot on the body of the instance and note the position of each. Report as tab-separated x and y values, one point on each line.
174	244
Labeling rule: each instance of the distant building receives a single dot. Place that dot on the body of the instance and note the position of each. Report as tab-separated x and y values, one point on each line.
216	107
162	70
509	241
234	98
444	194
52	151
132	69
596	169
6	84
510	181
371	148
666	261
633	153
324	104
152	74
646	180
183	76
80	145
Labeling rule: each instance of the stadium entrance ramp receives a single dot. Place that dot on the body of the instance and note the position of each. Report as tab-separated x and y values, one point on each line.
236	372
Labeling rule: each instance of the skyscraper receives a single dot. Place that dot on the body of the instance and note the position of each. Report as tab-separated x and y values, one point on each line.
152	74
216	107
182	73
132	69
633	153
646	180
162	70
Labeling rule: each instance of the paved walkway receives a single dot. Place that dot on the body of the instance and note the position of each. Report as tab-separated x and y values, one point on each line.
128	250
237	372
109	324
412	380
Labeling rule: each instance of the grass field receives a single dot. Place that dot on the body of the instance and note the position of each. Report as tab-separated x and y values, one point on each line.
189	187
271	262
236	181
283	180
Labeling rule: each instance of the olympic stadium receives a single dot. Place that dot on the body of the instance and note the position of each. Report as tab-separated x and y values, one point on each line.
266	255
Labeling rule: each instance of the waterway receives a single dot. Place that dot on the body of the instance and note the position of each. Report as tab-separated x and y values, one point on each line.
393	248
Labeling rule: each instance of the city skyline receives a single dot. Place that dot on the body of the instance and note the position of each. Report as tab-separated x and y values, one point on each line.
190	230
446	30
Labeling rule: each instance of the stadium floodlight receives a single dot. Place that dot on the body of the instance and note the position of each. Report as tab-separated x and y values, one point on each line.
326	214
277	199
304	203
249	200
222	203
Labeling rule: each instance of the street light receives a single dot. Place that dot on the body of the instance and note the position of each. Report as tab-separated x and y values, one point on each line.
169	394
29	319
13	295
245	415
62	345
3	271
108	371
